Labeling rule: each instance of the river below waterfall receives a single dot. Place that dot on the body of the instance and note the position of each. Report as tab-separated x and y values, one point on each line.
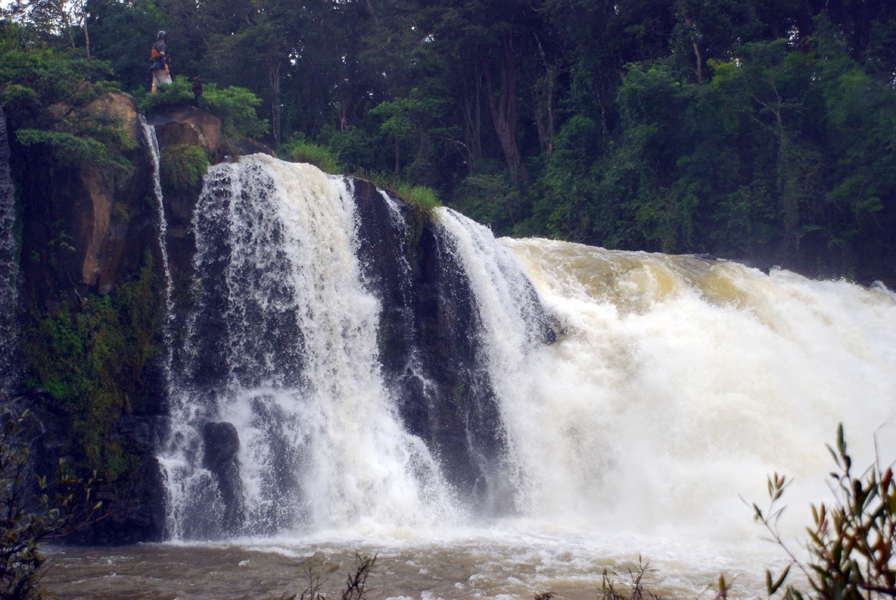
514	559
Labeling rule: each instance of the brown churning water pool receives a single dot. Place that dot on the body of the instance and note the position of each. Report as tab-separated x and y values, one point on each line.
495	563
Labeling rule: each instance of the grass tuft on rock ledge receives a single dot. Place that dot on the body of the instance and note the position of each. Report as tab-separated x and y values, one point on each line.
299	149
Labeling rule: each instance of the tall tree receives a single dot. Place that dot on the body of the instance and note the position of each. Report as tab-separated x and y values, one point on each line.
68	17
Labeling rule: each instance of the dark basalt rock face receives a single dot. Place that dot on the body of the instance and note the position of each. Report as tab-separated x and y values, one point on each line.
430	350
222	443
131	512
84	228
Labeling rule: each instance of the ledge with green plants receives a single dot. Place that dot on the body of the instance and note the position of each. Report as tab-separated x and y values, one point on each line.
235	106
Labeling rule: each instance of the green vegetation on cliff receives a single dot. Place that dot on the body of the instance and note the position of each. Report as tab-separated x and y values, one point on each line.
746	130
51	96
92	361
298	149
235	106
182	167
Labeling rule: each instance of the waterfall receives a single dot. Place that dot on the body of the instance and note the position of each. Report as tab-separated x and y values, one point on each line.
327	378
679	383
8	267
676	383
152	142
283	346
511	326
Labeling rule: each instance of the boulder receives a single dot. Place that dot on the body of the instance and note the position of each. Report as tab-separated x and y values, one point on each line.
189	126
222	443
124	108
246	146
430	350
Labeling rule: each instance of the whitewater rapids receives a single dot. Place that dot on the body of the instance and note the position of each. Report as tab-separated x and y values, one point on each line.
676	385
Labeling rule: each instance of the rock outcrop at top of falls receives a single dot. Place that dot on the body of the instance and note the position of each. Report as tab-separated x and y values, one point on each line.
91	232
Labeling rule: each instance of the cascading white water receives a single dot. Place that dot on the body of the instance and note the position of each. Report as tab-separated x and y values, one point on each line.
508	311
676	384
149	133
679	383
321	443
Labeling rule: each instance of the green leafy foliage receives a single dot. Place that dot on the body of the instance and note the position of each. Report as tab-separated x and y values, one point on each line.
750	129
489	196
235	106
54	97
116	28
177	95
853	542
182	167
92	361
69	148
420	196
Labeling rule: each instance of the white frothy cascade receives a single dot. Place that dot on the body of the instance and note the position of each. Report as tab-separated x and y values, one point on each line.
321	447
675	386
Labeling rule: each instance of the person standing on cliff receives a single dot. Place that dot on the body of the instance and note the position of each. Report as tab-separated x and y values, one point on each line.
160	59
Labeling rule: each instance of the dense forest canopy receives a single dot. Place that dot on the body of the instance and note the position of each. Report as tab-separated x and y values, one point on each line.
757	129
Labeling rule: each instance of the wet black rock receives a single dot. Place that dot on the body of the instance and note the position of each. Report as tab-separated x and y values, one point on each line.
430	349
222	443
133	510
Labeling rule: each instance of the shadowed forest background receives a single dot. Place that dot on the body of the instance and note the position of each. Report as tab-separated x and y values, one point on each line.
760	130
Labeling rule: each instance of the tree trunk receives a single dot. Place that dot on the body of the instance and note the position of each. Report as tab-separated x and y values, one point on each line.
274	74
473	120
699	63
503	109
544	104
372	14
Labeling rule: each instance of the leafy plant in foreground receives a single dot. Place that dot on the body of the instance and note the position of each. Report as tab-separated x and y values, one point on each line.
853	542
355	583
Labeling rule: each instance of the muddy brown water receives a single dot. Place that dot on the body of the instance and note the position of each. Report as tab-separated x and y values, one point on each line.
498	565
